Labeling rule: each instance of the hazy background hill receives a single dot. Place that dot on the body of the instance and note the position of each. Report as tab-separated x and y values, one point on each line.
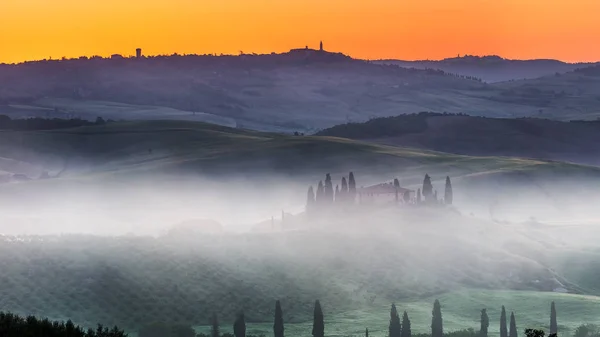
492	68
303	90
527	137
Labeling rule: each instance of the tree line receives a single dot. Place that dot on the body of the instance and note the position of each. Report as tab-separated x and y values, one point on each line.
12	325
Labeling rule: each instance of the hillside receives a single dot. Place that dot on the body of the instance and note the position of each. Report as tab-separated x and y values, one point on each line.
467	135
492	68
302	90
571	95
351	268
120	170
176	147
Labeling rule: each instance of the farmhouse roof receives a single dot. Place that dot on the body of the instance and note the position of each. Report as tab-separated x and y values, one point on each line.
383	188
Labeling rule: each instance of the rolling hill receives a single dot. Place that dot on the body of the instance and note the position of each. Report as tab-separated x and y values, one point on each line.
355	270
477	136
200	148
492	68
152	174
177	162
302	90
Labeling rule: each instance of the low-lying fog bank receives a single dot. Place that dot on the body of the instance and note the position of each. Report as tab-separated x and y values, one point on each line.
151	205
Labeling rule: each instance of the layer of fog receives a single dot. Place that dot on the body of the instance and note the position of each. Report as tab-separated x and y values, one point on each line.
147	206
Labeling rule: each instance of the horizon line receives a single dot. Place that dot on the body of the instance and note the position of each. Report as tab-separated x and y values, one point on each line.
128	56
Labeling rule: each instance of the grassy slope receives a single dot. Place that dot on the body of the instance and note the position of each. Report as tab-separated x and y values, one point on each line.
101	152
534	138
460	310
198	147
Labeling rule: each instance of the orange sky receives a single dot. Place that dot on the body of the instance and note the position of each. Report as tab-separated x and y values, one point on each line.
406	29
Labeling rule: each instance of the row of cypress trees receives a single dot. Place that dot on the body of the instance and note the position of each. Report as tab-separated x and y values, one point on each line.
327	195
505	331
397	327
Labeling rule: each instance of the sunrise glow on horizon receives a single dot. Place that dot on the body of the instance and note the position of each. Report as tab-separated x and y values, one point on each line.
567	30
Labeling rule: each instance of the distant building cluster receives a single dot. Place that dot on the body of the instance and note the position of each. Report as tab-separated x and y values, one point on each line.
388	193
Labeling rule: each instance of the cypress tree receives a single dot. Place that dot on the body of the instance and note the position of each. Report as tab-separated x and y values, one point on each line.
367	332
319	197
395	328
427	188
310	200
318	329
351	188
278	324
328	190
513	326
485	323
448	194
503	326
336	195
553	323
239	326
344	189
214	326
437	328
406	332
397	187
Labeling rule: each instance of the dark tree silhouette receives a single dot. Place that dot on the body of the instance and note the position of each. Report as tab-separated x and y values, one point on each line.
278	329
406	332
485	323
367	332
503	325
239	326
214	326
513	326
448	196
310	200
351	188
427	188
344	189
437	325
395	328
318	329
328	189
553	322
320	194
397	186
336	194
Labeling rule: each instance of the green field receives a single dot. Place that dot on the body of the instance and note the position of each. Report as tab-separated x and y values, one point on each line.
130	281
460	310
197	147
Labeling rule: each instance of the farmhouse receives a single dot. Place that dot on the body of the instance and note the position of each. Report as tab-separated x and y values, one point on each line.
384	193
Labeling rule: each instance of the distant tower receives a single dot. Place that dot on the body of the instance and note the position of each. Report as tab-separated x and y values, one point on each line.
321	46
138	53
